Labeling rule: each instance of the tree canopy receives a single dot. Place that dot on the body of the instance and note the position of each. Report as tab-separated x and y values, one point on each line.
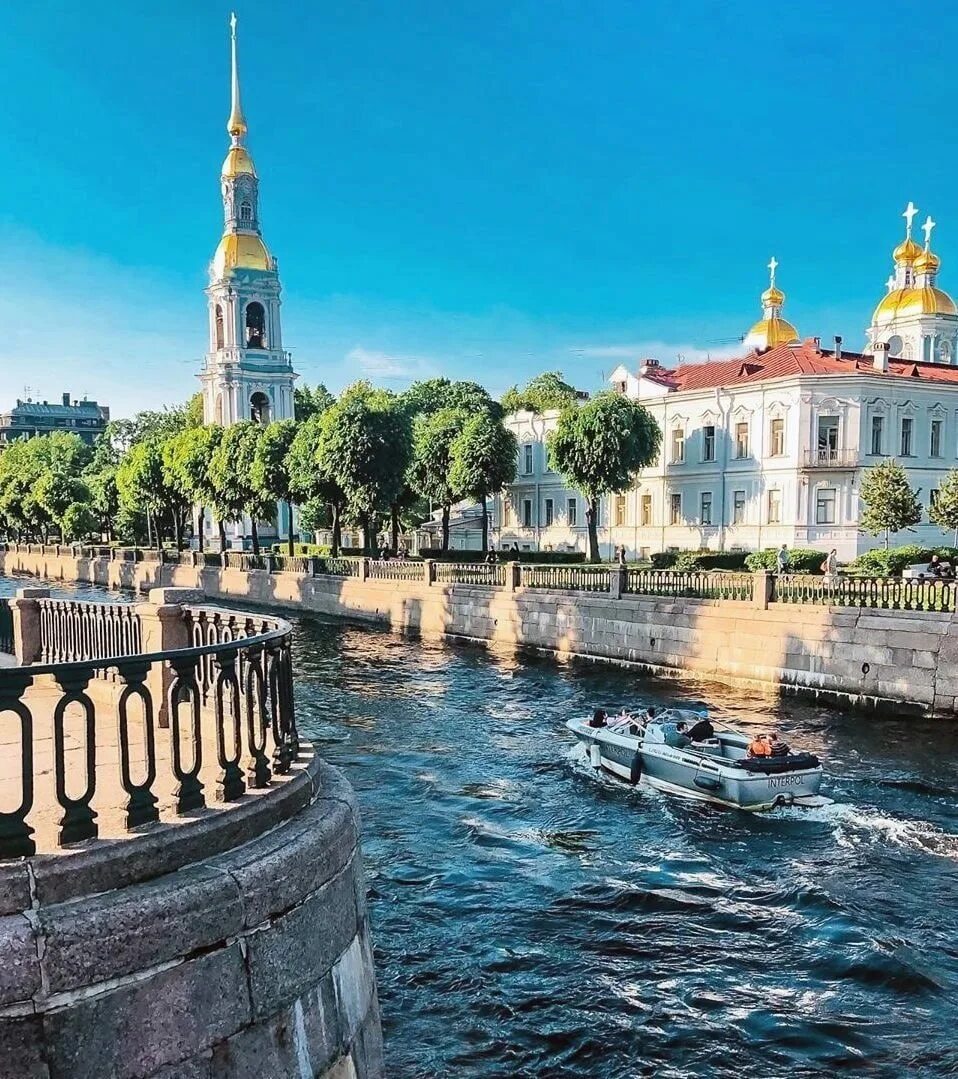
484	456
889	502
943	510
599	447
546	391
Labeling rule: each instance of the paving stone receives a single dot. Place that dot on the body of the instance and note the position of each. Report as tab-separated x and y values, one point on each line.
21	1056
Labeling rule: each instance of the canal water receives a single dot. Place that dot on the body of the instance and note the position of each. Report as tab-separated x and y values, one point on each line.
532	918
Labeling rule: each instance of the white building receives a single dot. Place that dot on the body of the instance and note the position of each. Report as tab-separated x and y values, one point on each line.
247	374
768	448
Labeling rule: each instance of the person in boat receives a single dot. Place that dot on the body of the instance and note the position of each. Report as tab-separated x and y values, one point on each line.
598	718
679	738
702	731
777	748
760	746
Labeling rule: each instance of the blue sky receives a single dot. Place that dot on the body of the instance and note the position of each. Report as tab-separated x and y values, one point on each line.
479	190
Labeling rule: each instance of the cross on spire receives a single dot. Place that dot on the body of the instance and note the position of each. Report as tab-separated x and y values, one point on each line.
772	267
926	229
910	210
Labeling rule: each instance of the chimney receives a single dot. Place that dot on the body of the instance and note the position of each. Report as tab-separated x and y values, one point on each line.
817	342
880	352
66	399
838	346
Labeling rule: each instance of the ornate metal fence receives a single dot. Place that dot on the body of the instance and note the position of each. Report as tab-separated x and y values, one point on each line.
72	630
396	571
884	593
336	567
738	586
492	574
227	709
572	578
6	627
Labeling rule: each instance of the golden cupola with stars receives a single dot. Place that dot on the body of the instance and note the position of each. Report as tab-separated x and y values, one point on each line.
771	330
915	318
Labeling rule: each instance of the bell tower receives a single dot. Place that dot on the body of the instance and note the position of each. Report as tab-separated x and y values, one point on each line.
247	374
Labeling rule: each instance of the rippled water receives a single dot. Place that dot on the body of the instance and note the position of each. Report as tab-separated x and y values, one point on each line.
533	918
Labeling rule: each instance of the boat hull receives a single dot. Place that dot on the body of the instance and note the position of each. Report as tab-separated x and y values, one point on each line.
694	775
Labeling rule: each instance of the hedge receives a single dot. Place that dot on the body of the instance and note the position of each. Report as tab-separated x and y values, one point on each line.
699	561
890	563
800	559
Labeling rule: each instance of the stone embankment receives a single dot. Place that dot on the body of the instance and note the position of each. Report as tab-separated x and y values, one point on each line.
874	659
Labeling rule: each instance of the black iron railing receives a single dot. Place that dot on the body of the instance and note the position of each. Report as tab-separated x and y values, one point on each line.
884	593
216	714
695	585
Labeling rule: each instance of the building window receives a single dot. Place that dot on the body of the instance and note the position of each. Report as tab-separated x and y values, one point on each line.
527	513
935	448
675	508
259	410
878	435
738	508
646	517
708	442
255	325
620	509
246	212
678	446
619	387
907	428
741	440
572	512
527	459
827	439
550	512
218	330
774	507
706	508
777	439
825	506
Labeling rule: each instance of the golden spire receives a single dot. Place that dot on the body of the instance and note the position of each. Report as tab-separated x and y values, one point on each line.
236	124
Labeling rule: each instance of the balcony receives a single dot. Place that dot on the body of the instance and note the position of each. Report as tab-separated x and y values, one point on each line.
826	457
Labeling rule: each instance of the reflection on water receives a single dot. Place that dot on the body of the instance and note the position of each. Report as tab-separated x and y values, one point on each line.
533	918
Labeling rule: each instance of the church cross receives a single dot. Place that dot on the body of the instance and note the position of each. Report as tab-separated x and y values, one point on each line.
772	267
926	229
910	210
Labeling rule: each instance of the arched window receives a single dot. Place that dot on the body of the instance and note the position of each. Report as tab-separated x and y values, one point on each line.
255	325
218	410
895	345
218	326
246	212
944	352
259	409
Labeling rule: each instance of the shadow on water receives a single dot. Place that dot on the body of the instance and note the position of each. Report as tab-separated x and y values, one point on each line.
533	918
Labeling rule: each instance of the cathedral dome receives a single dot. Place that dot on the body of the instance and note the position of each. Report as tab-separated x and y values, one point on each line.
927	262
238	163
903	302
773	297
770	333
907	251
240	251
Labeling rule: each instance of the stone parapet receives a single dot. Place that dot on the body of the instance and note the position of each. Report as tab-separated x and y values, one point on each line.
253	959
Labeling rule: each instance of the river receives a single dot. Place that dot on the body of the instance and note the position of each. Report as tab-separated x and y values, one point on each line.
535	919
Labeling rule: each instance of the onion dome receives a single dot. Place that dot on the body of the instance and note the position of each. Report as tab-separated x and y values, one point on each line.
240	251
927	262
906	252
238	163
902	302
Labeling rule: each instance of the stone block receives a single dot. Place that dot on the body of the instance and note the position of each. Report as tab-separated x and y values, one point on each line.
20	967
142	1026
197	1067
354	980
279	870
106	936
14	887
300	947
21	1055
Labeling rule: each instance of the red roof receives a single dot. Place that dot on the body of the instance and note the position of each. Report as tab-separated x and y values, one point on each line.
784	361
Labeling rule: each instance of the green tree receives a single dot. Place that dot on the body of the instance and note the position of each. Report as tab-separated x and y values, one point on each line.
545	391
430	470
307	402
145	486
270	472
944	510
231	476
890	503
365	447
483	461
78	522
187	457
310	481
599	447
432	394
32	471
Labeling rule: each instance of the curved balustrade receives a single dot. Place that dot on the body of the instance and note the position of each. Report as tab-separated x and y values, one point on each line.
172	732
884	593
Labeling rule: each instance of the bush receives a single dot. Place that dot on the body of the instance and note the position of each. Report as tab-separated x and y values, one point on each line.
800	560
664	559
890	563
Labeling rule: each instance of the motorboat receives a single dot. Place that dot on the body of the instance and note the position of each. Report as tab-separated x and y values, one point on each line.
648	747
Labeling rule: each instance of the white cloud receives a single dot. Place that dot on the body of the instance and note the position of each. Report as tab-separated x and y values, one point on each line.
382	365
668	354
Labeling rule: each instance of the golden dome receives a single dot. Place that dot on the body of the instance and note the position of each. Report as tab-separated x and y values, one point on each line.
773	297
240	251
907	251
927	262
771	332
238	163
902	302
